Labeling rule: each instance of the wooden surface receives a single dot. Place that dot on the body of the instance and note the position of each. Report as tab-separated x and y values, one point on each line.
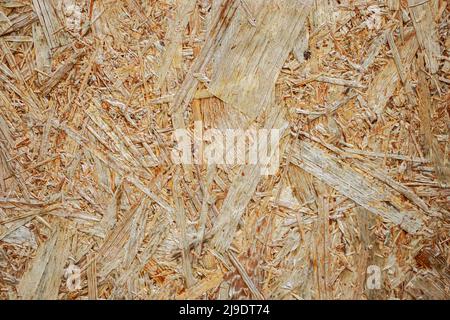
92	205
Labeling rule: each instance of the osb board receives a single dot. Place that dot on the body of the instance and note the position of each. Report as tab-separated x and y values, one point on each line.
91	91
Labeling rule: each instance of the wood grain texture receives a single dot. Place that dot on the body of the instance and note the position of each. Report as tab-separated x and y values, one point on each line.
94	205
